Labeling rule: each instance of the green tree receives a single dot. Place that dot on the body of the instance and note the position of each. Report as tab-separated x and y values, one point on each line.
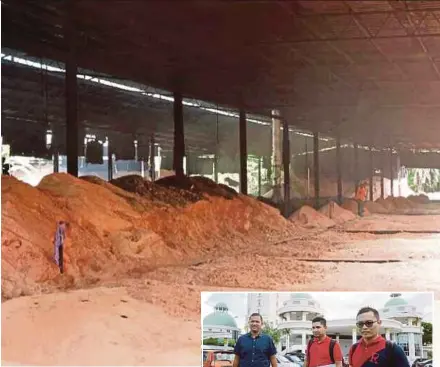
273	332
427	333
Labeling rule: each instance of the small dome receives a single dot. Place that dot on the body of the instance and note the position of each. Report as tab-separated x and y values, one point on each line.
301	296
219	319
221	306
396	300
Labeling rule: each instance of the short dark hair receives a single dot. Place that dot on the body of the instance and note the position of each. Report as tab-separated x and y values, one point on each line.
369	309
321	320
256	314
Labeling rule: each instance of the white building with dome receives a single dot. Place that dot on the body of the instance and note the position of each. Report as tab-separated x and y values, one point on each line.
220	324
401	322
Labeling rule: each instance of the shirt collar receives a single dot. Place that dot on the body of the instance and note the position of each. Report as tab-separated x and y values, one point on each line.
376	340
258	335
323	340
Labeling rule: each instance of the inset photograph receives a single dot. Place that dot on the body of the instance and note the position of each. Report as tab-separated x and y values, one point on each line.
291	329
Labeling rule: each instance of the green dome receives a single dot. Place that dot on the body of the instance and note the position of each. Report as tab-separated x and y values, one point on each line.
301	296
397	301
220	316
220	319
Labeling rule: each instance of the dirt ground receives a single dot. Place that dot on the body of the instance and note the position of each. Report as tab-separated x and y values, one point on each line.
133	298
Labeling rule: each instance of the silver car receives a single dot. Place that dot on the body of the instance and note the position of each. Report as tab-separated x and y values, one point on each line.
284	362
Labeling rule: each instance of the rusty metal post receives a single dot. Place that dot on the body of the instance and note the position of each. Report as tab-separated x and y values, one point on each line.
152	156
339	168
243	153
316	167
179	137
72	130
286	164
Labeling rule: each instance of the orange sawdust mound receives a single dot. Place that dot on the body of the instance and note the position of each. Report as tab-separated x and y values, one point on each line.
197	184
387	204
156	193
353	206
400	203
376	207
110	237
420	199
336	213
309	217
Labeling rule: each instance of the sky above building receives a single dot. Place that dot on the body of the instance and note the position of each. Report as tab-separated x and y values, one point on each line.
336	305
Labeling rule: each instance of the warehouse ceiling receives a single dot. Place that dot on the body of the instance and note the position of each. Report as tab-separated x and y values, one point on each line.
366	69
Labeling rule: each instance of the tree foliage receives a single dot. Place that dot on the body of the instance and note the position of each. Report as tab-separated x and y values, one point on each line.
424	179
427	333
273	332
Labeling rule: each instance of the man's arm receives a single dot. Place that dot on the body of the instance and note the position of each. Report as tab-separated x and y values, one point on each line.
237	350
338	355
273	361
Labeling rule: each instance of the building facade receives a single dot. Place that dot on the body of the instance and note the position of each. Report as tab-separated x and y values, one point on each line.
220	324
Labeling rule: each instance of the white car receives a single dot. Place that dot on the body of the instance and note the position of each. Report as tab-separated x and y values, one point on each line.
284	362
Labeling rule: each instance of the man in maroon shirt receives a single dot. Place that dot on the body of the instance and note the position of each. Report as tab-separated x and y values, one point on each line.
372	350
322	350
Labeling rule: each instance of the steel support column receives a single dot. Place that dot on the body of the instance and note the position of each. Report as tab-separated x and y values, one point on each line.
316	167
391	172
71	92
371	175
56	161
152	156
339	168
356	167
110	161
243	153
215	167
382	182
260	162
286	166
179	138
276	156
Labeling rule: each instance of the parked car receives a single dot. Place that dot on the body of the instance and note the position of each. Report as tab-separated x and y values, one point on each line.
284	362
218	358
425	363
295	359
298	354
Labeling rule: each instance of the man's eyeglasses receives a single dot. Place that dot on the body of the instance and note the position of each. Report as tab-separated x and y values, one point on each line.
368	324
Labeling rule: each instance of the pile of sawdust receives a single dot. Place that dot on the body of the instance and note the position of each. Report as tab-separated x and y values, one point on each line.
401	203
309	217
421	199
353	206
376	207
387	204
110	236
197	184
155	192
101	326
336	213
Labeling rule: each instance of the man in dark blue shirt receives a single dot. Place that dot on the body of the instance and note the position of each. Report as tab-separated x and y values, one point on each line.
255	349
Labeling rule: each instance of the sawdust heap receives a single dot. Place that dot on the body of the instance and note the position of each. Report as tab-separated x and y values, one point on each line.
156	193
387	204
198	184
401	202
420	199
353	206
376	207
336	213
114	233
309	217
